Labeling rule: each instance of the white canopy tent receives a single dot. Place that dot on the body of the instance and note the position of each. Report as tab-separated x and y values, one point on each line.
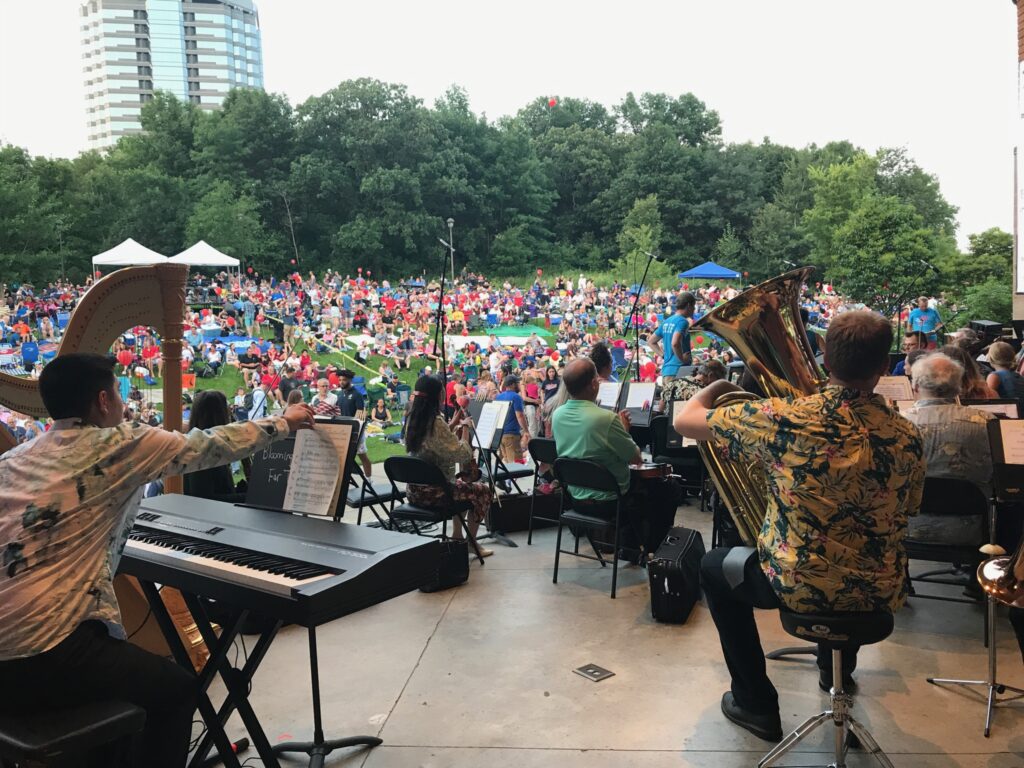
202	254
127	254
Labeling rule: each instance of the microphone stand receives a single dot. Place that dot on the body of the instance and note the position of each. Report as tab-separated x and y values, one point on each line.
439	319
636	324
901	302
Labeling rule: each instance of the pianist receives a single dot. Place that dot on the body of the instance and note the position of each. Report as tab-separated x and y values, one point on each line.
69	498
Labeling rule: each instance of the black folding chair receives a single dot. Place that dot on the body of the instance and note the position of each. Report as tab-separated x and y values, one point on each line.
685	460
589	516
962	504
379	498
413	471
542	451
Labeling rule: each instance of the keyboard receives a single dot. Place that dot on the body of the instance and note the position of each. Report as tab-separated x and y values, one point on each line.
300	570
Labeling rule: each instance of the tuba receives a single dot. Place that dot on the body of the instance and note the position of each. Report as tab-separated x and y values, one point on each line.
154	296
763	325
1002	578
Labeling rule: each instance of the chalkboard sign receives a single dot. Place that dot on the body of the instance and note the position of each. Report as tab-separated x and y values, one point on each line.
271	469
268	478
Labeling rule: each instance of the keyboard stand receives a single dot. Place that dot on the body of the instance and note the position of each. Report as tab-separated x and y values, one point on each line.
319	747
236	681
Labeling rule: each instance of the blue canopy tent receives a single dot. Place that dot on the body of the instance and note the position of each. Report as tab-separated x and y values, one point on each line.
710	271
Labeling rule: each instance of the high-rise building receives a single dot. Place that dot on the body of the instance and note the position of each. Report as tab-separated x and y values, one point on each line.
196	49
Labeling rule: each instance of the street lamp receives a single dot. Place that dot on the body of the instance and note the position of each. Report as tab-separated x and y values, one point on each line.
451	245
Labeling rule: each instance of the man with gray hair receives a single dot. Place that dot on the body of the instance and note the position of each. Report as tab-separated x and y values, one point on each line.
955	444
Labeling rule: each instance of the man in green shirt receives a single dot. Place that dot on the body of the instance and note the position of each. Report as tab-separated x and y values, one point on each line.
583	430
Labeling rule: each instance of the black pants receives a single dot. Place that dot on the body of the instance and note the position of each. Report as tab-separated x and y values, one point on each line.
648	512
88	666
734	585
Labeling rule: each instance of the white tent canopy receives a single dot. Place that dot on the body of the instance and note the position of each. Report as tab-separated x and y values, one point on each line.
202	254
128	253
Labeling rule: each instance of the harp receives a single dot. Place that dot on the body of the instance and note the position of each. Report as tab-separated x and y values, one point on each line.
152	296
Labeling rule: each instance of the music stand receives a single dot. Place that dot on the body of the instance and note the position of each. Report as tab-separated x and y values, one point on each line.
1002	408
490	417
1007	487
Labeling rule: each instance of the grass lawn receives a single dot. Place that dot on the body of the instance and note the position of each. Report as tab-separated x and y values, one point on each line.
230	380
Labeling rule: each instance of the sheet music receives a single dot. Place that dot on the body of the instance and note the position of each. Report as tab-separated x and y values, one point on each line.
314	482
1009	410
904	405
1012	433
894	388
638	394
492	419
608	394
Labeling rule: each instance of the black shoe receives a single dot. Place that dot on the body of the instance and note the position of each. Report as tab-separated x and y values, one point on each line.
825	682
767	727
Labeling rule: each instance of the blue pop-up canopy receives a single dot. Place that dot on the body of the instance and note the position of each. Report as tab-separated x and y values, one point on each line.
710	271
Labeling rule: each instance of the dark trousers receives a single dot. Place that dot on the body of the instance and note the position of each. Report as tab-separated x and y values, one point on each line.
88	666
734	585
648	512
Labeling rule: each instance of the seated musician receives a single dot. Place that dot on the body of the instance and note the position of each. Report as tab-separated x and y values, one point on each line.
584	430
955	445
844	472
429	437
685	387
69	499
210	409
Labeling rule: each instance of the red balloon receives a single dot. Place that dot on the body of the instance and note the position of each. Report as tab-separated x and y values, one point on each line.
293	261
359	269
249	270
700	339
746	274
552	102
98	273
540	272
368	273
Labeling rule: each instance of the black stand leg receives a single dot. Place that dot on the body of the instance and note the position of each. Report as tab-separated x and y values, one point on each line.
494	535
319	748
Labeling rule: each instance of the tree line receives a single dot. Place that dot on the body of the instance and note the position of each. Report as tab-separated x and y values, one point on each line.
366	175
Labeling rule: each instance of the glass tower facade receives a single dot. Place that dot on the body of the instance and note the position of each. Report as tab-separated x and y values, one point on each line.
197	50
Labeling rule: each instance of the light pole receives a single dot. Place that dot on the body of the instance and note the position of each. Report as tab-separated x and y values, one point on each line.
451	246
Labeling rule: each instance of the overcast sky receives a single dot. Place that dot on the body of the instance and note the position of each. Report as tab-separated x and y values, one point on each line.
936	76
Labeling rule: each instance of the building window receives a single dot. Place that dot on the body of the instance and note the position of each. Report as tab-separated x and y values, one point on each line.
141	29
144	97
191	58
141	42
146	71
190	30
142	56
193	86
146	85
193	73
189	16
140	14
195	99
190	45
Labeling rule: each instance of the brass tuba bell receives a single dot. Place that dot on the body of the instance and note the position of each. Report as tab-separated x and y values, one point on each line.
1002	578
763	325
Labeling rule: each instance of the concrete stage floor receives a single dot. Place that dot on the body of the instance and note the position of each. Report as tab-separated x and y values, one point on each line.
481	675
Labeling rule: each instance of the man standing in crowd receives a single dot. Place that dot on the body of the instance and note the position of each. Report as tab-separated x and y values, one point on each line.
70	497
352	405
672	339
516	431
914	340
844	473
925	319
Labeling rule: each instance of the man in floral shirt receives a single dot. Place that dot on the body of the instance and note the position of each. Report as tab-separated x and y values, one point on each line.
844	471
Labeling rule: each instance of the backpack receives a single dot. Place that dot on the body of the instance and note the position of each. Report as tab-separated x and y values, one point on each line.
247	402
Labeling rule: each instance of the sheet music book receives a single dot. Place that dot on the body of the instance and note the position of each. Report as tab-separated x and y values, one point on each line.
904	405
314	482
307	472
672	438
1008	409
639	394
1006	440
894	388
608	394
487	433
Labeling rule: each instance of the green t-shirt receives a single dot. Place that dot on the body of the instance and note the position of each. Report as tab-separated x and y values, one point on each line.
582	430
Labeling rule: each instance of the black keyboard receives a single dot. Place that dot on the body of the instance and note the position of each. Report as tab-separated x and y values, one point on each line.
300	570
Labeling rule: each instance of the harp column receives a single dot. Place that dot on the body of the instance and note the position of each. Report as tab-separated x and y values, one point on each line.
172	291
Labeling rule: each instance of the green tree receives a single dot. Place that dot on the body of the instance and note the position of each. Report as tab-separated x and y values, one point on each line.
839	189
989	256
729	249
640	235
230	222
689	118
879	249
990	300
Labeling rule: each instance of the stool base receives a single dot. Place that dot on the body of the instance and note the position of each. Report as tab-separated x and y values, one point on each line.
843	724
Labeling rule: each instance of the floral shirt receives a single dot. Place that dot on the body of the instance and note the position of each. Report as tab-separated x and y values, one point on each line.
682	388
68	502
844	472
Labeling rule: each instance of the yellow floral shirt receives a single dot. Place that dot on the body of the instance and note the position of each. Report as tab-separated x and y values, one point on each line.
844	472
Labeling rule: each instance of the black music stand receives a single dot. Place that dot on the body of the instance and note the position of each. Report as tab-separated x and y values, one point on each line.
1007	487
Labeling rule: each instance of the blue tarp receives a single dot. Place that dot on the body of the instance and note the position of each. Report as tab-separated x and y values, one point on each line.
710	271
